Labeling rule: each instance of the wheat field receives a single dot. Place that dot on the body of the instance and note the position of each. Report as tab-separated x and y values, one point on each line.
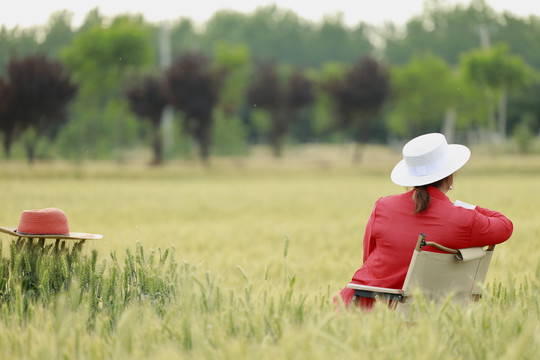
257	250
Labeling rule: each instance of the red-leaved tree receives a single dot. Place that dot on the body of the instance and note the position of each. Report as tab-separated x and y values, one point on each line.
38	93
359	97
193	88
281	98
7	125
147	100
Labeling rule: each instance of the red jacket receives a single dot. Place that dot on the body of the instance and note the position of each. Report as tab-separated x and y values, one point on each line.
392	232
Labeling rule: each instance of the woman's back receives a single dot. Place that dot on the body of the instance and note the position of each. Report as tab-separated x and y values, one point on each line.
428	165
393	229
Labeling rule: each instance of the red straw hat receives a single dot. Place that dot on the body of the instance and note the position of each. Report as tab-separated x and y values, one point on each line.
46	223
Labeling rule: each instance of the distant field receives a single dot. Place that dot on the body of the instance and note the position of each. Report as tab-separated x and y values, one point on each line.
232	222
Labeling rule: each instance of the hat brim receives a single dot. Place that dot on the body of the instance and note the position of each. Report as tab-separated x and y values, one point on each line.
458	155
71	236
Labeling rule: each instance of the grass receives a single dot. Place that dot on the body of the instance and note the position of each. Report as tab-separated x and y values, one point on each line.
256	249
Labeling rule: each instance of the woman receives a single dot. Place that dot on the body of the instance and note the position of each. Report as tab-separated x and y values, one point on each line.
428	165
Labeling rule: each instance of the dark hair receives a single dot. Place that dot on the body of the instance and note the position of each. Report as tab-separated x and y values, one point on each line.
421	197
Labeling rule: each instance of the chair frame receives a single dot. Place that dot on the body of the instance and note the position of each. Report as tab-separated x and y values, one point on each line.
399	296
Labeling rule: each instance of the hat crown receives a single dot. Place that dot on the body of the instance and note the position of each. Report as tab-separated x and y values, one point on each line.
428	158
425	154
43	222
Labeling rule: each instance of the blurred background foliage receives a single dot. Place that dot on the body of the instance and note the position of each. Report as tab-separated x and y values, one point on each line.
268	77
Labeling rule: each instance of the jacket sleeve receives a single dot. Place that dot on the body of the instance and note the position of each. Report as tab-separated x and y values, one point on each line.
490	227
369	241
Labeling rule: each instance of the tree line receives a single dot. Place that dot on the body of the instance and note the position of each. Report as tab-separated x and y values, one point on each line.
266	77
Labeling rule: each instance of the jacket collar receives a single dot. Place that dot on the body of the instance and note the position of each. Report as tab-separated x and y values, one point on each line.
438	194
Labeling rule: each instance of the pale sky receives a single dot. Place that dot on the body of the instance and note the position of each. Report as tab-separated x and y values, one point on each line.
26	13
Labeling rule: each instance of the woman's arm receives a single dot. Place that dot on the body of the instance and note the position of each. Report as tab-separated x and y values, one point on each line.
369	241
490	227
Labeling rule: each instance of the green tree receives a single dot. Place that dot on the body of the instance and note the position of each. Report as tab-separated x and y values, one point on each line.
16	42
92	19
101	59
235	62
184	37
278	35
325	109
224	27
442	29
470	109
58	34
275	34
524	103
424	89
333	41
496	71
230	132
523	134
521	35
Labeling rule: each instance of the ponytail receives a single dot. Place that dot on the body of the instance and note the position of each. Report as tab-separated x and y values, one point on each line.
421	198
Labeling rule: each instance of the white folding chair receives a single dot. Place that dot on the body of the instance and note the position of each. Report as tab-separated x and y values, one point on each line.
459	273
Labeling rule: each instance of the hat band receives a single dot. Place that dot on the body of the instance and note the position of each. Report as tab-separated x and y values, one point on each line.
424	170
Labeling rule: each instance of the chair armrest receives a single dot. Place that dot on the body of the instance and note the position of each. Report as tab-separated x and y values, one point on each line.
375	292
375	289
468	254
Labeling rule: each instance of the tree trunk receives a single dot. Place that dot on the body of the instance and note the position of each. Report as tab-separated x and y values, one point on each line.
449	125
278	131
204	139
502	113
30	152
358	152
30	138
491	117
276	142
362	132
167	118
7	145
157	144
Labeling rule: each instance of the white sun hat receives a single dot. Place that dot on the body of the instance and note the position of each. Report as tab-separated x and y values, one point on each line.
428	158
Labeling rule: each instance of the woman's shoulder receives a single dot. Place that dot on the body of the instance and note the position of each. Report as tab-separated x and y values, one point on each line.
391	200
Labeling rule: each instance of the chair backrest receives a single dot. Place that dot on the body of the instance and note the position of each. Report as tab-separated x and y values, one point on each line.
460	273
